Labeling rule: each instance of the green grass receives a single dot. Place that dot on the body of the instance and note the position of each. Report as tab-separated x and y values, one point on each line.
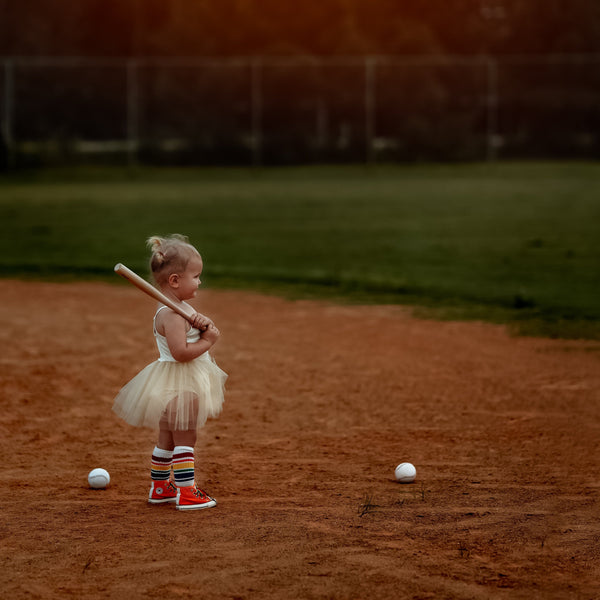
515	243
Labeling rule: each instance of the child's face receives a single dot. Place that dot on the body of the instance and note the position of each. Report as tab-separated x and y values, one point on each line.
189	280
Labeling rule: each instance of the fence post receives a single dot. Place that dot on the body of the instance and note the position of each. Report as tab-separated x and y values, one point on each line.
132	111
256	109
492	108
7	117
321	124
370	108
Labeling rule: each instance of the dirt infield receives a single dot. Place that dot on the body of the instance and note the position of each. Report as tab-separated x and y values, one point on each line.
323	401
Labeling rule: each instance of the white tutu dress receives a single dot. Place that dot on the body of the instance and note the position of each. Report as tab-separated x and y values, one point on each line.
176	395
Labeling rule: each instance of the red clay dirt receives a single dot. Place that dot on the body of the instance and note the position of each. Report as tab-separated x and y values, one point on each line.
323	402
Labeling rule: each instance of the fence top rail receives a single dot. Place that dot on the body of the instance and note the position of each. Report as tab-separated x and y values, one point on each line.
300	60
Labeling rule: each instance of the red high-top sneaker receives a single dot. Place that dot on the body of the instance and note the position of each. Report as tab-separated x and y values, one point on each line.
162	491
192	497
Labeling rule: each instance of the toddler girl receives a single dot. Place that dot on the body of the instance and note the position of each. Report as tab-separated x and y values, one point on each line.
180	390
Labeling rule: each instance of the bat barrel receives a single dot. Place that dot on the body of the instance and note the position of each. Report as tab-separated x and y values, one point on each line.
149	289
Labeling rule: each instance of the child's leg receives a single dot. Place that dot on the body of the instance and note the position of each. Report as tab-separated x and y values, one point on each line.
184	441
162	489
162	455
161	464
165	437
190	496
183	457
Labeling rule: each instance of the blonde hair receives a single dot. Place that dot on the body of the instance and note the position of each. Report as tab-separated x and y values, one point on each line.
169	255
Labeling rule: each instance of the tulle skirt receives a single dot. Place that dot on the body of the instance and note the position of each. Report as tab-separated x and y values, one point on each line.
173	395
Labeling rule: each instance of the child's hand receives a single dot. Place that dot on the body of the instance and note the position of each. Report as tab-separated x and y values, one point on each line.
201	322
211	334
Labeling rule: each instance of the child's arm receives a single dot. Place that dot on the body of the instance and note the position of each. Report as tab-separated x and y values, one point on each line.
175	328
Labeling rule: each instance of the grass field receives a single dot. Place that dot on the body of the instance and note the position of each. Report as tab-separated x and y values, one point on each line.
516	243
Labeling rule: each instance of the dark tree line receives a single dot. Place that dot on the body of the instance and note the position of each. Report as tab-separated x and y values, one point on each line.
310	110
284	27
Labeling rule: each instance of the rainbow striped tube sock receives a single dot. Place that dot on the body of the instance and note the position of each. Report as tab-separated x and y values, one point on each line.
161	464
183	466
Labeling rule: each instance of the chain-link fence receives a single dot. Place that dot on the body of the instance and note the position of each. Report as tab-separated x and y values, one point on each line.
299	110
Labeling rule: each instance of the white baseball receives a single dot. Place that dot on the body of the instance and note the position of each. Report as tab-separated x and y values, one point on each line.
405	473
98	479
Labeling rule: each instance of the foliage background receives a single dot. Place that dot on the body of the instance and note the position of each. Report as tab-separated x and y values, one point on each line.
319	27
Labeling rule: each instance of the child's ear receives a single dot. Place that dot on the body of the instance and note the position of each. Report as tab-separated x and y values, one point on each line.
173	280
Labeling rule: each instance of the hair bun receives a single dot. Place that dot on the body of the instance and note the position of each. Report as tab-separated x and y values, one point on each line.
155	244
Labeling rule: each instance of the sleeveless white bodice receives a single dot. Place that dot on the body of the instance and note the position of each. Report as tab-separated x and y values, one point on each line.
192	335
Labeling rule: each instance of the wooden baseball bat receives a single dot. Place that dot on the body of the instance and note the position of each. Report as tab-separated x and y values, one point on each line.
149	289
